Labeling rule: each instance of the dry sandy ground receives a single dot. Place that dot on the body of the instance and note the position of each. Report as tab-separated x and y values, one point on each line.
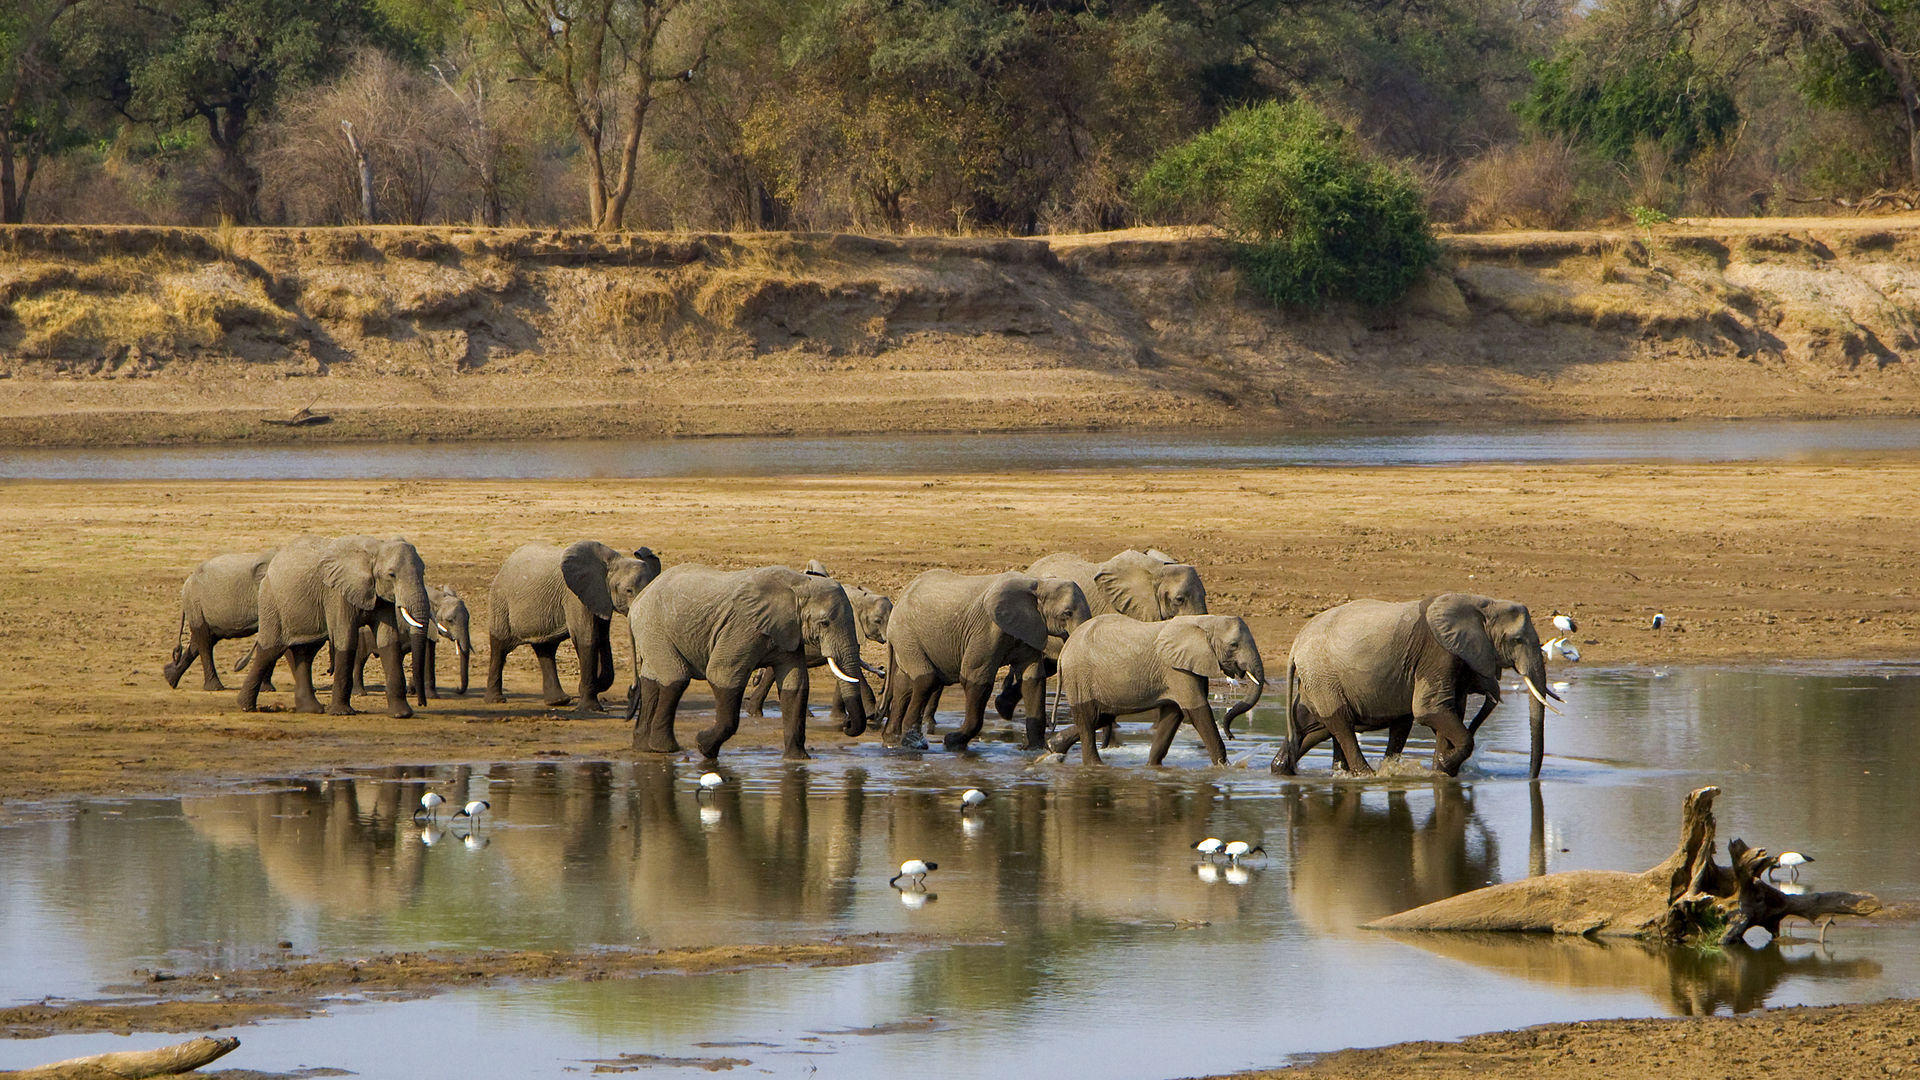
1749	562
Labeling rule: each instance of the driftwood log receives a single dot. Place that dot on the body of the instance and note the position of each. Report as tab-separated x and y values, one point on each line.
132	1064
1687	896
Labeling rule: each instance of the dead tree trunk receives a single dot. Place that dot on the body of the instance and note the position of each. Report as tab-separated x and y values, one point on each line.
131	1064
1688	895
366	171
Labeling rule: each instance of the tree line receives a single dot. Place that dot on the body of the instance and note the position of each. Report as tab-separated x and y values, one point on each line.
1015	116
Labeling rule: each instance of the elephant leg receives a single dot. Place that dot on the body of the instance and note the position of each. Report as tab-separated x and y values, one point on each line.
1163	730
977	693
300	665
1110	733
757	689
1209	732
931	714
1010	692
588	646
429	686
345	655
1486	706
359	666
266	681
924	693
1397	733
550	692
1086	717
1452	737
726	721
1340	726
393	669
201	642
264	656
793	712
653	732
1033	694
497	650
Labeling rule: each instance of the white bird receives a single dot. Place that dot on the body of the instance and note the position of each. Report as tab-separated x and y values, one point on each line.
429	804
1559	645
917	869
1209	847
709	781
472	810
1793	861
1562	686
1240	849
971	798
1564	623
1659	620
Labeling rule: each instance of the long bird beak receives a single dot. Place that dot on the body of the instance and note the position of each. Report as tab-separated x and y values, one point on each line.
838	674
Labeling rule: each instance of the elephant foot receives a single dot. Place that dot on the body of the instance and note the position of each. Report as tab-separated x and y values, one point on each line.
341	710
655	748
269	687
404	712
709	746
913	740
1004	705
796	753
214	685
757	714
589	707
956	741
494	697
559	702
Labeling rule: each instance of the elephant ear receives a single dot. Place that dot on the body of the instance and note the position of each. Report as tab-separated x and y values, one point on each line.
347	568
1016	611
1185	646
1456	620
584	568
816	568
1127	582
260	568
1156	553
772	607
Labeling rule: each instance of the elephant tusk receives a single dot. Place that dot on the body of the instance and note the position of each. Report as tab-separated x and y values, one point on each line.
838	674
411	621
442	629
459	648
1538	696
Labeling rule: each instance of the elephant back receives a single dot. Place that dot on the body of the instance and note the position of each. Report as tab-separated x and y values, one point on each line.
525	601
1110	659
1359	655
932	619
223	592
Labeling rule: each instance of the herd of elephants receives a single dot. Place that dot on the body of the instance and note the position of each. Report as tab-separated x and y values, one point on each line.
1126	636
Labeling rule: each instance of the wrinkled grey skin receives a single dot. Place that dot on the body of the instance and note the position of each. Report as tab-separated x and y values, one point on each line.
1116	665
316	591
950	628
451	621
1144	585
870	614
545	594
696	622
218	601
1371	664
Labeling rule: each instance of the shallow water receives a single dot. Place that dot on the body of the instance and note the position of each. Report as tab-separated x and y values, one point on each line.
1103	945
1753	440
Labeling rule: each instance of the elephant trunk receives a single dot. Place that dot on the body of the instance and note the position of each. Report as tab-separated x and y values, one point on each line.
418	643
465	649
844	664
1256	676
1533	672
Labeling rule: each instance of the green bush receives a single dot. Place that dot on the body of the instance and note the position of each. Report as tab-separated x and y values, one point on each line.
1313	219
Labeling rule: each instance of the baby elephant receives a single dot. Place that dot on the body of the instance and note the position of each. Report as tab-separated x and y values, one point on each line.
1116	665
217	602
871	611
451	621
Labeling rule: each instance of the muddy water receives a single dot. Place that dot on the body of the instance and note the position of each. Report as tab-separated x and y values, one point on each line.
1564	442
1097	942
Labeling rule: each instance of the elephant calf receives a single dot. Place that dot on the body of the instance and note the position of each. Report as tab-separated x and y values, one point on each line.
545	594
871	611
451	621
963	628
696	622
1116	665
1371	664
218	601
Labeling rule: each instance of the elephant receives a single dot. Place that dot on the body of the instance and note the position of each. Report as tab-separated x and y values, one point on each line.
316	589
871	611
545	594
450	621
963	628
1371	663
696	622
1146	585
1115	665
218	601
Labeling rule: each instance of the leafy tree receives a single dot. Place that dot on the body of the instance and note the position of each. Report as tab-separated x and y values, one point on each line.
1859	53
1314	219
35	97
1609	105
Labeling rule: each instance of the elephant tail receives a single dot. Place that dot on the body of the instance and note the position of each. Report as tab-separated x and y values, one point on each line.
180	640
245	658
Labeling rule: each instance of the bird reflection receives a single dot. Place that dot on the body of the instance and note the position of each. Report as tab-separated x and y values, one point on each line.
431	834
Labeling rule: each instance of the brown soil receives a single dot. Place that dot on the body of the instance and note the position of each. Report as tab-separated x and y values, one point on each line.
204	1001
1841	1042
136	336
1747	562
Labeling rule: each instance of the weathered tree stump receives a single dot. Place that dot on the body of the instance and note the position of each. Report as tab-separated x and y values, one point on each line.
131	1064
1688	895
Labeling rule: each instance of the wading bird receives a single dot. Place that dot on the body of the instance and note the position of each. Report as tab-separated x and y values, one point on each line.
709	781
1240	849
1564	623
971	798
1209	847
1792	861
1559	645
471	811
1659	620
916	870
429	805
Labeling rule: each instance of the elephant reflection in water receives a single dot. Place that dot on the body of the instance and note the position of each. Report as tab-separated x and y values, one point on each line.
337	845
1356	854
